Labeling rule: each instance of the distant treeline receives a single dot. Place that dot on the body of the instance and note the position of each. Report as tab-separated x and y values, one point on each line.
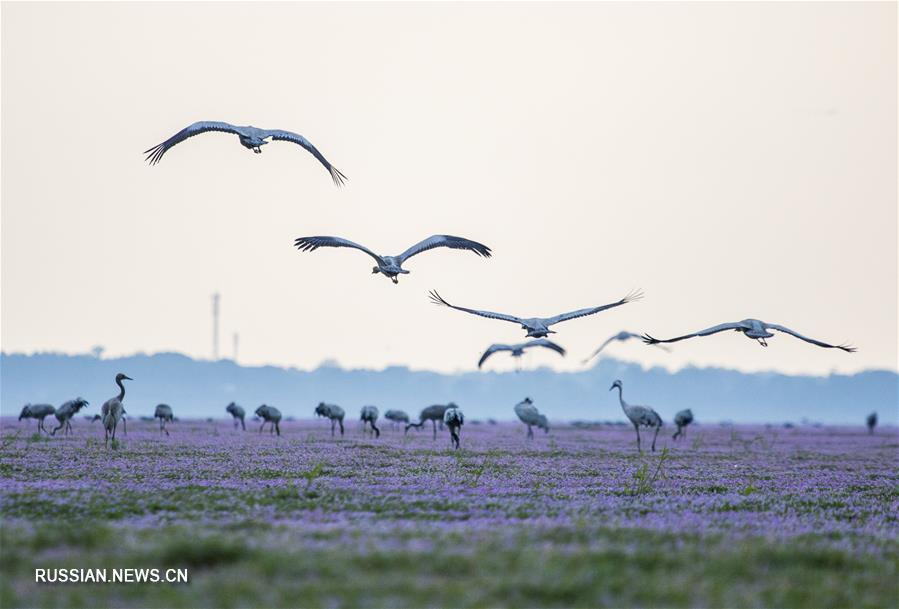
199	388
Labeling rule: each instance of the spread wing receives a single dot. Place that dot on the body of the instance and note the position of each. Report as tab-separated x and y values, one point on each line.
438	299
154	154
296	138
491	350
601	347
310	244
542	342
456	243
649	340
847	348
622	336
583	312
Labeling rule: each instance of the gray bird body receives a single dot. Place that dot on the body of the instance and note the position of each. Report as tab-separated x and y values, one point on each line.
871	422
528	414
39	412
682	419
454	419
238	414
164	413
517	350
333	412
431	413
396	417
755	329
269	414
536	327
639	416
369	416
392	266
65	413
252	138
113	409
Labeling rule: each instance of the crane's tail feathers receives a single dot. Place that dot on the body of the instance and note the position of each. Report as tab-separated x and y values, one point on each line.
154	154
649	340
339	178
437	299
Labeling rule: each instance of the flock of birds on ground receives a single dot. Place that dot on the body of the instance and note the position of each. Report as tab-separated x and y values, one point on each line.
536	328
449	415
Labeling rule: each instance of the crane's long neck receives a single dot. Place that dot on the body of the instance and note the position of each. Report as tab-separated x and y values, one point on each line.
122	387
621	399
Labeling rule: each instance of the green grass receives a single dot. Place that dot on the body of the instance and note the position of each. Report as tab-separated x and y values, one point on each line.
256	564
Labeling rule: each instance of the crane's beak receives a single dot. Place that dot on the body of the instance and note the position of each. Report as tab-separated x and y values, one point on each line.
128	378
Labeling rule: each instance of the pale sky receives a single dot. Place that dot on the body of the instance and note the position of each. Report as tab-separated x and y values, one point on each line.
732	160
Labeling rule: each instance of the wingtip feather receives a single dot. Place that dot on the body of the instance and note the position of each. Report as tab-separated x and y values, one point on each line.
634	295
437	298
339	179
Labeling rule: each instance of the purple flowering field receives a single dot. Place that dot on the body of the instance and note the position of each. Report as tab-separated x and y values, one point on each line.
729	517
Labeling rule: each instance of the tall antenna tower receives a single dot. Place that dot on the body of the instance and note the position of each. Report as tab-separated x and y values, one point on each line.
236	338
215	326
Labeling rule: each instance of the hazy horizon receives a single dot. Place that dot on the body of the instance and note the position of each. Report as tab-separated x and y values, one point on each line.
732	160
200	388
530	364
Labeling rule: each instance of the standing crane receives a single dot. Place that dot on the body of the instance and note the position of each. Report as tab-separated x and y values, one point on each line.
238	414
269	414
250	137
369	416
433	414
871	422
528	414
640	416
396	417
113	409
333	412
454	419
682	419
164	414
65	413
39	412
